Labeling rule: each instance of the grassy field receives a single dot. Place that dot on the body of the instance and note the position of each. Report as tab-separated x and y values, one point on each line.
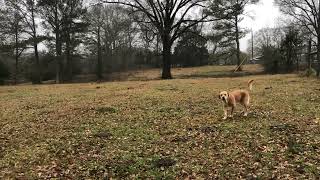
161	130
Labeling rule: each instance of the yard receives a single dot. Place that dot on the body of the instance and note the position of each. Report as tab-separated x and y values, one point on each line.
160	129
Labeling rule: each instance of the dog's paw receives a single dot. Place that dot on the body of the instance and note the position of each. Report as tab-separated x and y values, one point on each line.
224	118
230	116
245	114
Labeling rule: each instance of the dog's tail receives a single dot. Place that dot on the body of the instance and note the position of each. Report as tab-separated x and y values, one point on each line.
250	84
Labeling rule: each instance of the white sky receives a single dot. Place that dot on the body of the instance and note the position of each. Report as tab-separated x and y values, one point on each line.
265	14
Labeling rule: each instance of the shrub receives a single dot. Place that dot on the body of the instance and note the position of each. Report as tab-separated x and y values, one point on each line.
272	60
4	72
309	72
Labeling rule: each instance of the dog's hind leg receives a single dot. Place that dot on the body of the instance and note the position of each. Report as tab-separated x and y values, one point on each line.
246	111
246	106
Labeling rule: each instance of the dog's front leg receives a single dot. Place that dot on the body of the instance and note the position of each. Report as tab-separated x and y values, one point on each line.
225	110
231	113
246	112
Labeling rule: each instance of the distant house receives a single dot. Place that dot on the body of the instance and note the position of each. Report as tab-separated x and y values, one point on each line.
314	53
314	56
256	60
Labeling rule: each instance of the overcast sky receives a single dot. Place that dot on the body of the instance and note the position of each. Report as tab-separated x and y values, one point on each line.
265	14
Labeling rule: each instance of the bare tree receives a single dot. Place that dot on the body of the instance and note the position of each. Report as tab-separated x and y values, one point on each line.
114	31
266	37
12	29
118	35
306	12
51	13
64	20
96	19
73	26
170	18
28	10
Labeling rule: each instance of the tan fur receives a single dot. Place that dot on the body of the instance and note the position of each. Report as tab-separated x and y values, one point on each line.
231	99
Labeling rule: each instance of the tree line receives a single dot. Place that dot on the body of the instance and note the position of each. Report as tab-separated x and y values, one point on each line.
57	39
295	43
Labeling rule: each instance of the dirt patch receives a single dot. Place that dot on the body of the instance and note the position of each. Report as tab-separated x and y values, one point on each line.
164	162
182	139
103	135
283	128
106	110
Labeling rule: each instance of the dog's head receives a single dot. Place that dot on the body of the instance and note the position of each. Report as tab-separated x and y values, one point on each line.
224	95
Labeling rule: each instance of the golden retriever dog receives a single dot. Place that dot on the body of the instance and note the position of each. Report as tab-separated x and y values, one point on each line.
230	99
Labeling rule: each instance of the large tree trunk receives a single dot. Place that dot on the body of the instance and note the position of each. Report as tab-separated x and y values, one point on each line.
16	57
238	44
252	41
58	46
99	64
309	57
107	54
158	48
68	57
68	51
318	55
16	70
37	80
166	55
289	58
58	58
318	42
298	63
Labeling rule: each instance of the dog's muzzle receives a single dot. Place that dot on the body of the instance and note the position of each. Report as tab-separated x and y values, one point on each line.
225	99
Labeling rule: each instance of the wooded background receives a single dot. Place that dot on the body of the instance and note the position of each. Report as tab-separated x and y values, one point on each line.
58	40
